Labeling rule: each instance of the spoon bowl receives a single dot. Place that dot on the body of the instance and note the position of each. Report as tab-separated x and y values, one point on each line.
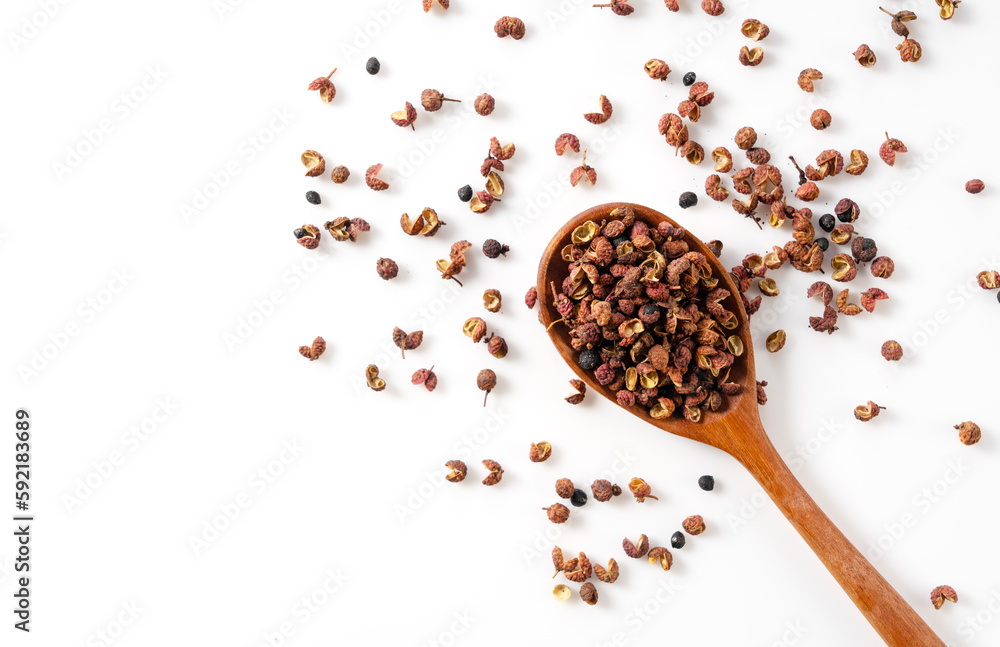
737	430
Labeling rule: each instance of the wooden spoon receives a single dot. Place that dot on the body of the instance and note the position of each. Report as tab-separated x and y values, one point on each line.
737	431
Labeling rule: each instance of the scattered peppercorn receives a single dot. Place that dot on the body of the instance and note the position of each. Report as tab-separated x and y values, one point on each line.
314	163
883	267
327	91
754	29
689	78
712	7
497	346
975	186
372	180
444	4
486	381
340	174
947	8
662	556
969	433
827	222
313	198
562	592
609	575
308	236
494	249
942	593
806	78
557	513
865	412
619	7
820	119
640	490
892	351
677	540
484	105
565	488
465	193
405	342
458	471
531	297
603	490
775	341
847	210
581	392
313	352
579	498
540	452
687	200
706	483
387	268
822	243
751	57
425	376
600	117
373	66
657	69
589	593
638	549
864	56
432	100
694	525
583	172
887	151
496	472
509	26
374	382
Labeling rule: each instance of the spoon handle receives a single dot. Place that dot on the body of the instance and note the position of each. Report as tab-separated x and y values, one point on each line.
889	614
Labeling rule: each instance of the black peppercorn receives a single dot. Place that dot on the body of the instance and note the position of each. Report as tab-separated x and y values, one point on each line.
589	359
827	222
677	540
373	66
465	193
824	243
687	199
493	249
579	498
312	197
706	483
689	78
301	233
618	241
998	296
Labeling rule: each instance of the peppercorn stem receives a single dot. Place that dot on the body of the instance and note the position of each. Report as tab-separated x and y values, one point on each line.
331	73
447	99
888	13
484	405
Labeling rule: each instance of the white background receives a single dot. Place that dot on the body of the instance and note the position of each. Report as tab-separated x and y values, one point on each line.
362	498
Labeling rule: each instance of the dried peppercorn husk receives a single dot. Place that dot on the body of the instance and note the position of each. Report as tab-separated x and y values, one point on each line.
602	116
450	268
714	188
844	268
845	308
444	4
970	434
425	376
807	78
942	593
581	392
309	237
700	94
583	172
405	117
693	152
406	341
751	57
712	7
494	185
640	490
314	163
558	513
661	556
342	229
864	56
588	592
672	5
484	104
315	350
858	163
387	269
481	202
618	7
501	152
898	21
948	8
754	29
870	296
432	100
889	148
988	279
496	472
608	575
723	160
695	524
821	289
374	382
674	130
327	91
567	140
509	26
761	395
657	69
372	179
497	346
458	471
826	323
775	341
865	412
426	224
909	51
638	549
531	297
540	452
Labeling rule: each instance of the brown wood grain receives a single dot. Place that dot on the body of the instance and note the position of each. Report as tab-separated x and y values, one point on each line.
737	430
